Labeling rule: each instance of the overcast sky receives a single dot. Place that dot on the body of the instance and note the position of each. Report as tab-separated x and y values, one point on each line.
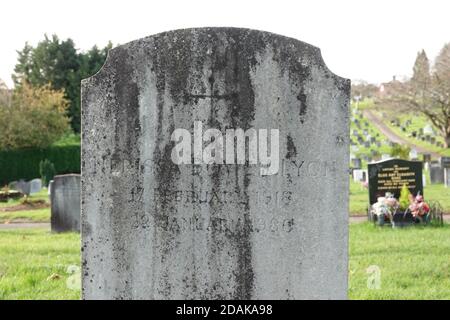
371	40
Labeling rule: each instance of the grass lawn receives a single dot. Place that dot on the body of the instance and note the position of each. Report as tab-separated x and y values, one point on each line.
359	198
26	215
414	263
34	264
438	192
39	215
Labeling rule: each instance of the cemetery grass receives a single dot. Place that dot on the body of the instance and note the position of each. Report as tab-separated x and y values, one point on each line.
364	104
27	215
34	264
359	198
414	263
438	192
39	215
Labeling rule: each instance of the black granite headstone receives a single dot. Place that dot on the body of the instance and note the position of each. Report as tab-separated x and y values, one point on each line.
445	162
390	176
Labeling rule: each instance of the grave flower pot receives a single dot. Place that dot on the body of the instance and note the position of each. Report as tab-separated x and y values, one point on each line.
381	219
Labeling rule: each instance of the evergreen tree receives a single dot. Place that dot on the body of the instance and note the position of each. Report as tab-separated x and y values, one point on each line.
421	72
427	92
57	62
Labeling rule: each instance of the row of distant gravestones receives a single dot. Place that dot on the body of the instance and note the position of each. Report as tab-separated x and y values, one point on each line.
363	138
64	191
27	188
426	134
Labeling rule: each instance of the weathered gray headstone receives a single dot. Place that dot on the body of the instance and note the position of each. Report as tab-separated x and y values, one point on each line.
65	203
436	173
356	163
413	155
13	185
35	186
446	177
160	223
360	175
50	184
428	130
23	186
445	164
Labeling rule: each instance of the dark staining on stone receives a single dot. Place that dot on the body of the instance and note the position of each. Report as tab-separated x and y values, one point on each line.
234	58
172	61
290	147
107	154
244	270
171	67
340	140
303	106
231	55
342	84
231	60
127	133
287	57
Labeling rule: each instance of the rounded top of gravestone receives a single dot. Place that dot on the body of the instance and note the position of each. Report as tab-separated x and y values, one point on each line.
428	129
69	175
172	48
395	160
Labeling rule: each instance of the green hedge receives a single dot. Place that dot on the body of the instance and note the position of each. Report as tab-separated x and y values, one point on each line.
24	164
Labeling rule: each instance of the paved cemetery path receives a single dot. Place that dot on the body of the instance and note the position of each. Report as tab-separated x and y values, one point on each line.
391	135
25	225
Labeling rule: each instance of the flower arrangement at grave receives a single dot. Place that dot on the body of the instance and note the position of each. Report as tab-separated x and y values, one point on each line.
6	194
385	206
419	208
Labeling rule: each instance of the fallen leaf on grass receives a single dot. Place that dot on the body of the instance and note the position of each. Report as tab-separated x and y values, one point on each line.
54	276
